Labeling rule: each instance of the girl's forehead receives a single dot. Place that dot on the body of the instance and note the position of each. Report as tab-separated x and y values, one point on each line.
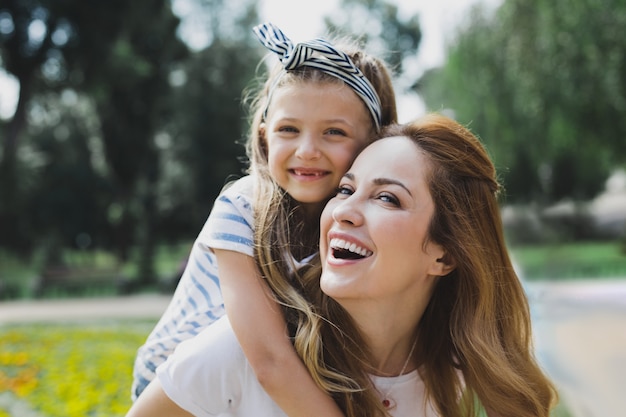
328	100
322	87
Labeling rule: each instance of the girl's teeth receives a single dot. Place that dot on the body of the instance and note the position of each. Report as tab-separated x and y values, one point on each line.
297	172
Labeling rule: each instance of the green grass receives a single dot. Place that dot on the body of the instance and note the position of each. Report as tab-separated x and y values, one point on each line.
571	261
72	370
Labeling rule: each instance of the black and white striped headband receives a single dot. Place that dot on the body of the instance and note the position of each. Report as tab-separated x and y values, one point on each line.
320	54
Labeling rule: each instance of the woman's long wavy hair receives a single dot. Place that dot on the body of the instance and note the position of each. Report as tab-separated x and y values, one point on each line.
281	229
478	319
474	339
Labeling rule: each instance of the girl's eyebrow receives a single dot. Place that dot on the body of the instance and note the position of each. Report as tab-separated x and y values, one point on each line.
341	120
380	181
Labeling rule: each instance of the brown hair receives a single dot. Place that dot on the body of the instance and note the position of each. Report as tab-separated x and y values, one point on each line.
478	319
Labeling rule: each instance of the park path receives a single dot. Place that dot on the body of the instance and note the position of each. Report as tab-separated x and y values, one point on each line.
580	334
133	306
580	340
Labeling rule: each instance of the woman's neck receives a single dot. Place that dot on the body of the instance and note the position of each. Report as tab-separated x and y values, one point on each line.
389	343
389	328
392	358
388	325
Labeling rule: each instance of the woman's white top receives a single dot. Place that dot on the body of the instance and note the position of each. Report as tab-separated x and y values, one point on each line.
209	375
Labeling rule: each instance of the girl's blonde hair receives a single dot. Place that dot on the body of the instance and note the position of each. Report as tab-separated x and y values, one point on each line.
475	335
280	226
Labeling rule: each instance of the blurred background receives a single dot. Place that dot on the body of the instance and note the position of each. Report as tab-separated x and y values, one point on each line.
120	122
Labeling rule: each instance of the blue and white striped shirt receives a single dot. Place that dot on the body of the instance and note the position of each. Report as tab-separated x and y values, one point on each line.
197	301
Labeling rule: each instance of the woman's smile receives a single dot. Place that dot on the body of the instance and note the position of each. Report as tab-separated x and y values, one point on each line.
375	230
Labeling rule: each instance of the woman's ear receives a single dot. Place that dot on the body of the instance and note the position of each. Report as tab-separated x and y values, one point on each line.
442	264
261	133
445	265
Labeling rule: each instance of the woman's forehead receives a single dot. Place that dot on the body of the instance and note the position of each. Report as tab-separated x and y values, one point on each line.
385	152
394	157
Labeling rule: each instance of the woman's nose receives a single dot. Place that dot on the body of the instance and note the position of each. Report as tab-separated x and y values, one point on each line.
308	148
348	211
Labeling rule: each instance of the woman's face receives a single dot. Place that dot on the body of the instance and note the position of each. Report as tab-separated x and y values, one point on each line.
373	232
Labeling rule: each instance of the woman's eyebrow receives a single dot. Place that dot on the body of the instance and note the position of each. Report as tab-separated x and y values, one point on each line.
349	176
386	181
380	181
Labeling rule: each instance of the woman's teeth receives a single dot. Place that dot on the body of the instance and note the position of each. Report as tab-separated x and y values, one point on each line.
341	245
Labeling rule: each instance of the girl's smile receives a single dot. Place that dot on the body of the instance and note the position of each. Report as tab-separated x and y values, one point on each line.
313	133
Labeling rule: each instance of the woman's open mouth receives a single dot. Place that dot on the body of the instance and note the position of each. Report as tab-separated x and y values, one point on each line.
342	249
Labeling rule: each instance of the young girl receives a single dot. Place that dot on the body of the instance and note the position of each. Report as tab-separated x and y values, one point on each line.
318	108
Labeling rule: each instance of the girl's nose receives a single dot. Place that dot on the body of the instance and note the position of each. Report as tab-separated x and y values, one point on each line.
308	148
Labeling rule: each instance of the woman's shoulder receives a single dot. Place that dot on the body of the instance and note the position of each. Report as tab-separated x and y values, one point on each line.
207	373
217	341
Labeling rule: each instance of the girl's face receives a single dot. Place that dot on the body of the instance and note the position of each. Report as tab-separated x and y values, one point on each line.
373	232
313	132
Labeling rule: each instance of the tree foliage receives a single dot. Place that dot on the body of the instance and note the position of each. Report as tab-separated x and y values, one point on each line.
122	132
382	26
544	84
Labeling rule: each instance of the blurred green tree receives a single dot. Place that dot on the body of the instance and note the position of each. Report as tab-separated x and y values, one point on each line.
68	188
33	42
544	84
117	119
381	25
204	140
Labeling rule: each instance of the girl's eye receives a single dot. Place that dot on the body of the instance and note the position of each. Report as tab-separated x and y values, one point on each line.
389	198
337	132
287	129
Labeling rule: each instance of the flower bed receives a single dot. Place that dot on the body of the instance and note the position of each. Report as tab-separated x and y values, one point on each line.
69	370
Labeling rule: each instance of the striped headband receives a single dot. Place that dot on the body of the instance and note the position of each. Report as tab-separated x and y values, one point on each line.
320	54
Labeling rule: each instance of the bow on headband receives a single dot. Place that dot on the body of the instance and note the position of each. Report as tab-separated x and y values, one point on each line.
320	54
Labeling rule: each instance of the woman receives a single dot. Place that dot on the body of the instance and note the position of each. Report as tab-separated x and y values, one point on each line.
423	313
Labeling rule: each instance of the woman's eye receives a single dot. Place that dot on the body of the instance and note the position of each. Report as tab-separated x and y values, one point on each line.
344	190
389	198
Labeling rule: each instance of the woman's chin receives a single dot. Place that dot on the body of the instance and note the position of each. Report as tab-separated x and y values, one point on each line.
337	286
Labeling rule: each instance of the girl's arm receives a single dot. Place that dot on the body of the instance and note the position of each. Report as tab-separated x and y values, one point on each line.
153	402
258	322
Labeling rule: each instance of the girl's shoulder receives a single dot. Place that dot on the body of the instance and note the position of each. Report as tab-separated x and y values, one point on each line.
243	186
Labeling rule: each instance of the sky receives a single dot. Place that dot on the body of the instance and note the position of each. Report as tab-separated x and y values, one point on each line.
302	20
